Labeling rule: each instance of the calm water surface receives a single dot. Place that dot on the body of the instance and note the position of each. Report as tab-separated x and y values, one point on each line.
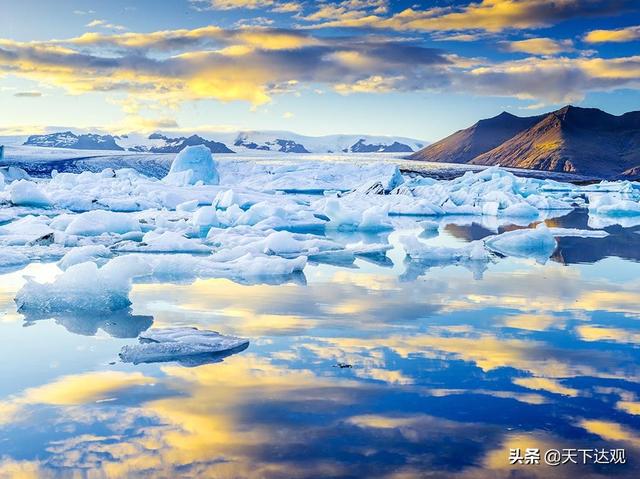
445	369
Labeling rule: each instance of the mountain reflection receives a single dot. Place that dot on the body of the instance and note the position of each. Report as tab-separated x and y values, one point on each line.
621	242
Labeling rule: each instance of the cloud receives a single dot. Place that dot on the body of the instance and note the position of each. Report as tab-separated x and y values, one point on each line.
619	35
104	24
273	5
555	80
28	94
488	15
539	46
170	67
175	66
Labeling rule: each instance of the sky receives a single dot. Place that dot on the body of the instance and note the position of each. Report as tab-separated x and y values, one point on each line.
382	67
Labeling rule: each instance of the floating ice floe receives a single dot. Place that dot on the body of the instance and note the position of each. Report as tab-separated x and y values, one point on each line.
28	193
189	346
355	215
613	206
164	242
101	221
27	231
84	287
573	232
90	253
192	165
416	249
537	243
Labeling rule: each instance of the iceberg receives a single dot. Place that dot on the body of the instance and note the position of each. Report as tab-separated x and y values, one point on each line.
192	165
611	205
93	223
28	193
82	254
165	242
84	287
537	243
190	346
415	249
26	231
577	233
352	215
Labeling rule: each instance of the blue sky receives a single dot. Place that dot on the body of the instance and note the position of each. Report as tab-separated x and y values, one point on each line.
417	69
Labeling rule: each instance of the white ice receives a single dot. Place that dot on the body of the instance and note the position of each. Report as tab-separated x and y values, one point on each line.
28	193
84	287
174	344
537	243
192	165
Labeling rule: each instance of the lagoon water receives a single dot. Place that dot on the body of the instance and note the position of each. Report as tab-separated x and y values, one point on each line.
387	369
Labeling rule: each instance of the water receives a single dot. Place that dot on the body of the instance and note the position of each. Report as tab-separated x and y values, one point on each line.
390	369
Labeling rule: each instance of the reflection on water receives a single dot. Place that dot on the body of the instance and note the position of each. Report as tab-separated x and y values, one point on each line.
448	372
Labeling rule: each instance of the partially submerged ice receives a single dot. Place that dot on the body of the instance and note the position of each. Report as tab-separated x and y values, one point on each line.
192	165
187	345
538	243
84	287
28	193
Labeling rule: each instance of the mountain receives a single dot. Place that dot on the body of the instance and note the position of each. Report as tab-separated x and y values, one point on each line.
465	145
574	140
278	144
230	142
175	145
288	142
586	141
67	139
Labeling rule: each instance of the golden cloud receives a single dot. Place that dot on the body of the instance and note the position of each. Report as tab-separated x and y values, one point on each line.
618	35
540	46
488	15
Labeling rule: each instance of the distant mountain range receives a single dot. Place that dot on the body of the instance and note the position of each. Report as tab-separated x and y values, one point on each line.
233	142
586	141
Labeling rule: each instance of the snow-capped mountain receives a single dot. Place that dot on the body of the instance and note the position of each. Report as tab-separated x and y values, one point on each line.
68	139
229	142
163	144
288	142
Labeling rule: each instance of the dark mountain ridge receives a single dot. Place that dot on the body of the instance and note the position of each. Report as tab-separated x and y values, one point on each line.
586	141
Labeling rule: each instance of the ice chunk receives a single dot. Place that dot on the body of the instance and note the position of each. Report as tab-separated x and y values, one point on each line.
206	216
13	173
573	232
355	214
27	230
96	222
192	165
612	205
225	199
537	243
165	242
415	249
84	287
180	344
82	254
521	210
189	206
28	193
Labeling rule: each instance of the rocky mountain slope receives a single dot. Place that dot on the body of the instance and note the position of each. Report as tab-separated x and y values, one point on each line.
586	141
